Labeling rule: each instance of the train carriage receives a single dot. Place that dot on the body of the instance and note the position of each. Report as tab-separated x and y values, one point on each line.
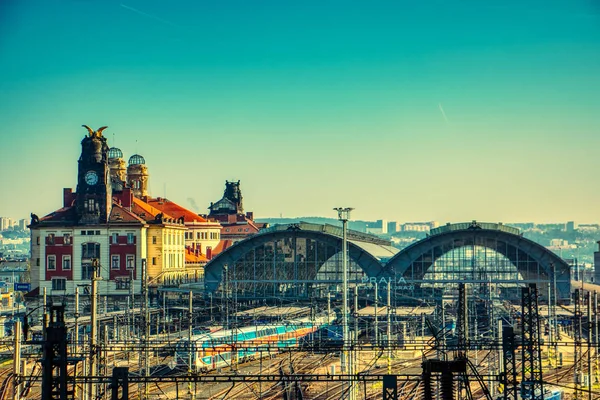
223	348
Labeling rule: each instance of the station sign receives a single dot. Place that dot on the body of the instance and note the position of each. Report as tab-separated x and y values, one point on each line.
396	283
22	287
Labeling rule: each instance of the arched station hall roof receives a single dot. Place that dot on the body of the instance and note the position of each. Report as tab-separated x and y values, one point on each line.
503	239
368	251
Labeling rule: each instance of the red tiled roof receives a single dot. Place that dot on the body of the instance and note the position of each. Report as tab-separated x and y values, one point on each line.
175	210
65	214
192	258
145	210
120	214
223	245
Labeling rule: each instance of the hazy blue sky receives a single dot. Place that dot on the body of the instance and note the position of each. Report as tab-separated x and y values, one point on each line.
407	110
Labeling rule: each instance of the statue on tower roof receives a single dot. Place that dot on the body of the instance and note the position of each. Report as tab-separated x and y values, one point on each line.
93	133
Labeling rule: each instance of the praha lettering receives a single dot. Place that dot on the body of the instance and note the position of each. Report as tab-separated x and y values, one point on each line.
384	281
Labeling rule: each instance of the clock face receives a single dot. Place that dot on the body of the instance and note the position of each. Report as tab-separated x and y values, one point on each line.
91	178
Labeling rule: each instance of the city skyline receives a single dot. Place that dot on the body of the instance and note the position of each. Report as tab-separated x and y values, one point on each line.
474	111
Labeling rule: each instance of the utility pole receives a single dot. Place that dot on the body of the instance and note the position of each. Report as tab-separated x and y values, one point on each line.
589	344
165	311
532	386
17	362
376	321
93	329
355	352
389	327
328	308
76	337
45	312
577	352
344	216
146	324
595	334
190	310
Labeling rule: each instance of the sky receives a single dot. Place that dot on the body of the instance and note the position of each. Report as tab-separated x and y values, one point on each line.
405	110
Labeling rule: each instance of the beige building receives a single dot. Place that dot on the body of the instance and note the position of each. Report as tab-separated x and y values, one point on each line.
166	246
202	235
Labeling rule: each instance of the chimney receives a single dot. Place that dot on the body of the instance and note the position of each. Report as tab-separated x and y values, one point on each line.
67	197
209	253
250	215
126	198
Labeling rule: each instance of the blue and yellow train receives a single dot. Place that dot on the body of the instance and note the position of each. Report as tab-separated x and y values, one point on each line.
210	351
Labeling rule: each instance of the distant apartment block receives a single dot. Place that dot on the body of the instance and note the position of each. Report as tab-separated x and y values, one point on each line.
379	227
559	243
588	227
5	223
393	227
419	226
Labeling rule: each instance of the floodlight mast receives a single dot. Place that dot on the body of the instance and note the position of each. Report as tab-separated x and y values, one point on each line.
344	216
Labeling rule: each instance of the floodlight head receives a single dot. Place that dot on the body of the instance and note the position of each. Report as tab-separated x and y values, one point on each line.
343	213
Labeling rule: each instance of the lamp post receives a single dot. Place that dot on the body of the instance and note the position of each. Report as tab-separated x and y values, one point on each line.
344	216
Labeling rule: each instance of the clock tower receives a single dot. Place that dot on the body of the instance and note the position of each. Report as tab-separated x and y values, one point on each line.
94	191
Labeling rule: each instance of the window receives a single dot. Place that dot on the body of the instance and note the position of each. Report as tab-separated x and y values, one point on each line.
90	250
130	261
114	261
83	233
87	271
59	283
66	263
153	239
90	232
37	262
91	206
115	238
37	240
198	236
67	238
153	260
123	283
51	265
97	232
50	239
130	238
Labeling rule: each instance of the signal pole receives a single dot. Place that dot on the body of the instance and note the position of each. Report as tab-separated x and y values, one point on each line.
344	216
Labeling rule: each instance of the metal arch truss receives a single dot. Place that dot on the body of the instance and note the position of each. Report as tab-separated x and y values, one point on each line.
268	268
531	259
